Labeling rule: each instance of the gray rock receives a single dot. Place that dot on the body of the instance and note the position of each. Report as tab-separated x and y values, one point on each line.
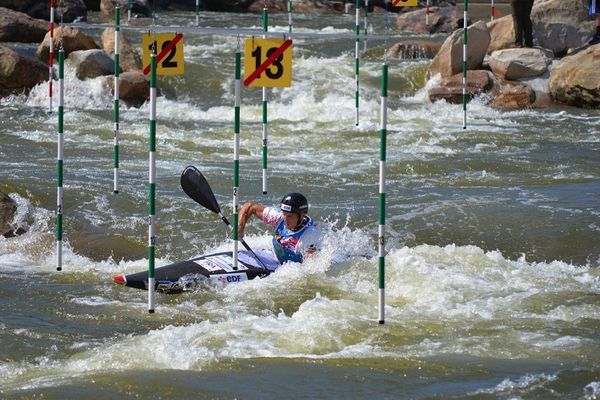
19	27
72	40
91	63
18	73
514	64
129	58
7	213
451	88
449	59
441	20
69	11
134	87
559	25
502	34
575	79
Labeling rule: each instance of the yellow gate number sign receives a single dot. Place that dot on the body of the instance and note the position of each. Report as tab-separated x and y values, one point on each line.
169	53
405	3
268	63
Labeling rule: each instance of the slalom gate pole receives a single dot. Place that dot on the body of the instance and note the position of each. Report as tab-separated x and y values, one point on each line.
465	40
51	54
366	24
427	13
197	12
236	154
152	183
60	157
493	11
382	161
116	100
357	62
290	16
265	23
382	177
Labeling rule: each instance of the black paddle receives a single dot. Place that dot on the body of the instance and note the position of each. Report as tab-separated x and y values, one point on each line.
195	185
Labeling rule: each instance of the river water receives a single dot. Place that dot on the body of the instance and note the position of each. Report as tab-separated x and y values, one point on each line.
492	271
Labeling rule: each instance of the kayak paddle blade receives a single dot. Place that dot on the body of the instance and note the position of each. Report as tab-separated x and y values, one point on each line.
195	185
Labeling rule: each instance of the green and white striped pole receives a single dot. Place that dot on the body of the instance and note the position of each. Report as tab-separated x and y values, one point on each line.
197	12
366	23
236	153
265	21
382	160
465	39
290	16
129	11
59	160
152	183
357	61
116	99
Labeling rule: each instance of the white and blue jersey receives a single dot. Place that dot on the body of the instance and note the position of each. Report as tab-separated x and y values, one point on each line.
290	245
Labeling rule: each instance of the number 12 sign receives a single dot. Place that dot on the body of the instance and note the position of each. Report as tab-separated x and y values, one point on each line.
169	53
268	63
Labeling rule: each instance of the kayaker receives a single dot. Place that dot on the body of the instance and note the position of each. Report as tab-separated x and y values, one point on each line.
296	235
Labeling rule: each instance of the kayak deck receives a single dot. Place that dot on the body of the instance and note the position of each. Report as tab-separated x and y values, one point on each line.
185	275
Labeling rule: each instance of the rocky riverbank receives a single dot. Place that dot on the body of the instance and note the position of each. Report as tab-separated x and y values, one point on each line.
566	68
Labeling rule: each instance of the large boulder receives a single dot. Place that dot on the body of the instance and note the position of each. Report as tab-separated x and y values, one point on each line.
72	39
91	63
33	8
560	25
507	95
19	73
414	49
451	88
8	207
129	58
575	79
449	60
514	64
441	20
502	34
70	10
16	26
134	87
7	212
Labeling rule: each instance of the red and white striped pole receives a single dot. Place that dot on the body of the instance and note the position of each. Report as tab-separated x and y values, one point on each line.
51	54
427	13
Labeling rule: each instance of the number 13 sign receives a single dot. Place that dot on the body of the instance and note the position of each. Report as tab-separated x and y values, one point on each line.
268	63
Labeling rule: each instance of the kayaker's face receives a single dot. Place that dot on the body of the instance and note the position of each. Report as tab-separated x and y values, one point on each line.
291	220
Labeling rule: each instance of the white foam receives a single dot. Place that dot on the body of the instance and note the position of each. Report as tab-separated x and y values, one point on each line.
523	385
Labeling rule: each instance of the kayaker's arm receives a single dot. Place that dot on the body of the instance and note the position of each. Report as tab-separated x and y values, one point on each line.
248	209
